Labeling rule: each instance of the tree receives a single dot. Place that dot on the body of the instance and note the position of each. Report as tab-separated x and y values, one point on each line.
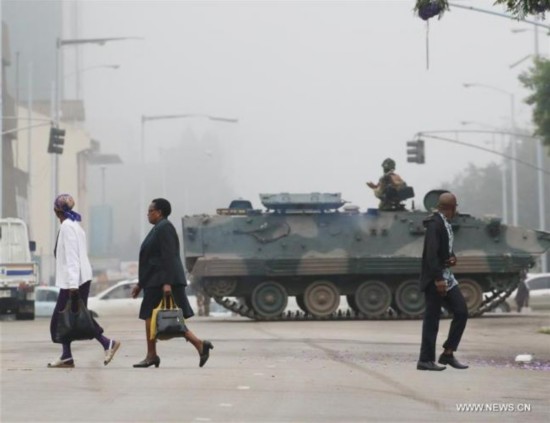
537	79
521	8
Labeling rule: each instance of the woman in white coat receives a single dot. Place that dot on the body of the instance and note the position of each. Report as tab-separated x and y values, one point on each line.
73	275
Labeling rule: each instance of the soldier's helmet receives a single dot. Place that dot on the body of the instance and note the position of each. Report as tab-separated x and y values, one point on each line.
388	164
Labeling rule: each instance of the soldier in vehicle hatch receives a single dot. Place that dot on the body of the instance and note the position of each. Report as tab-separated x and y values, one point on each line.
390	187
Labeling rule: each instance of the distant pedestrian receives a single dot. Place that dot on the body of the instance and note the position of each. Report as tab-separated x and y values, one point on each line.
203	300
73	275
440	287
522	296
160	273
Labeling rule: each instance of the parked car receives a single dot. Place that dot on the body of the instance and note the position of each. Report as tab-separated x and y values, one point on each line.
538	285
117	301
539	291
45	298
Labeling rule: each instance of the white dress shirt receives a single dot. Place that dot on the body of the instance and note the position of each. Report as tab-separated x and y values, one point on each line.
72	266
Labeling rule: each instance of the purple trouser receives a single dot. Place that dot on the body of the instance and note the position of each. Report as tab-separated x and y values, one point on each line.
64	295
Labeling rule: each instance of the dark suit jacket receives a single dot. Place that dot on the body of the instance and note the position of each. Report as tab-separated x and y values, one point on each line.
159	257
436	250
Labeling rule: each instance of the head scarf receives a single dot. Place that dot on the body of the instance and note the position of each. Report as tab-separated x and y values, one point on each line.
65	203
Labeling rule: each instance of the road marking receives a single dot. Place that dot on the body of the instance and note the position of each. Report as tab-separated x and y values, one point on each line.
258	374
225	404
243	387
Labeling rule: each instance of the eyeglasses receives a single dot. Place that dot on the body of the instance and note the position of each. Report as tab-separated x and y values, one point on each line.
149	211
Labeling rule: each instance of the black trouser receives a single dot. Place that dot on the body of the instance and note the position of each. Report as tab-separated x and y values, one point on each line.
454	302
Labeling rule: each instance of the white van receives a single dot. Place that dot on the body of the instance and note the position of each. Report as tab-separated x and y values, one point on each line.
18	273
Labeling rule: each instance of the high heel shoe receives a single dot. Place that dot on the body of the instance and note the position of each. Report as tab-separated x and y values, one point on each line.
149	362
206	347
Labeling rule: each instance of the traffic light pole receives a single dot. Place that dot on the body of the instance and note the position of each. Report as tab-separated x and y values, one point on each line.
23	128
429	134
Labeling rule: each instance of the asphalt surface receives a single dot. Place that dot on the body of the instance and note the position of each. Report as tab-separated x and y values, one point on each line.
347	371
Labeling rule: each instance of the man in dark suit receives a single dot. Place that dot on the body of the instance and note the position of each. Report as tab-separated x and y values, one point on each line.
440	287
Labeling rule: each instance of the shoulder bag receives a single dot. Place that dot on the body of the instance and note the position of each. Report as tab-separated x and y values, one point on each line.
74	325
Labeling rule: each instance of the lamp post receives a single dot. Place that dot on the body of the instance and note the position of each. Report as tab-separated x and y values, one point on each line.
59	43
539	152
512	143
148	118
56	104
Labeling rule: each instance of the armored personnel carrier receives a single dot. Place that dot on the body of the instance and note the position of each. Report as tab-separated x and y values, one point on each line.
314	249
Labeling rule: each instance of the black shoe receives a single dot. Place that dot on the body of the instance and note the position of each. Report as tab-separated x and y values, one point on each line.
429	365
451	361
206	347
149	362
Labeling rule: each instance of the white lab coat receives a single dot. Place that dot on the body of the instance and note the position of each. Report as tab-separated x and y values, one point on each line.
72	266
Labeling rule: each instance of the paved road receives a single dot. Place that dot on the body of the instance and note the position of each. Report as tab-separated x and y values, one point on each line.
279	372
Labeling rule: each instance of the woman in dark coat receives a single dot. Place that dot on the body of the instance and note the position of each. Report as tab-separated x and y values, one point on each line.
161	273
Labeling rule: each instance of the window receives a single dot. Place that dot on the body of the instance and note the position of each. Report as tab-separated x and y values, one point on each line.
40	295
120	292
46	295
51	296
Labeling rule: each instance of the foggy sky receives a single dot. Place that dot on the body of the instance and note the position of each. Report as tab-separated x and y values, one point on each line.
324	90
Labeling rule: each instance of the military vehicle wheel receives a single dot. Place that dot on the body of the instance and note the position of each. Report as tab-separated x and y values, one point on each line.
269	299
409	299
300	302
472	292
321	298
373	298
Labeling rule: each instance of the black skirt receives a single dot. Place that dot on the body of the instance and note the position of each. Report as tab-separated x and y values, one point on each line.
153	296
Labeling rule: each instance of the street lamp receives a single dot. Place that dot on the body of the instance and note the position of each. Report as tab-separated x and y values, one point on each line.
59	43
512	143
89	68
148	118
81	71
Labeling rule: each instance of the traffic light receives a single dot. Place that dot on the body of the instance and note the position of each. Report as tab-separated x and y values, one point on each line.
415	151
57	139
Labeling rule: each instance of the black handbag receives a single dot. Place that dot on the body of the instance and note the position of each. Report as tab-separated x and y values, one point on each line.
74	325
169	320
